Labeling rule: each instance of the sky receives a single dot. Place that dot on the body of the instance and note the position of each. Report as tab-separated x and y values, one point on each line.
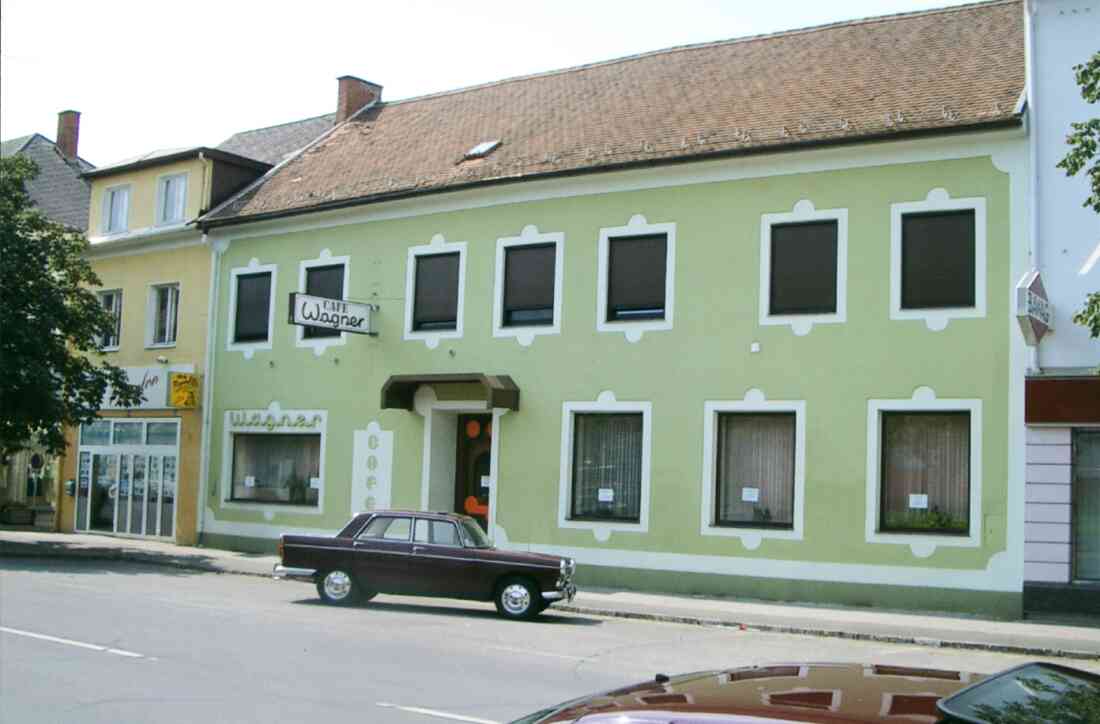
149	75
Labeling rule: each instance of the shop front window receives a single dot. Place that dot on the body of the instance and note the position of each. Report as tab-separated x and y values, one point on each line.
276	468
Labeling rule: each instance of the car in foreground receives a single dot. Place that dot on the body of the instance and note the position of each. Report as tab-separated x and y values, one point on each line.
1034	693
413	553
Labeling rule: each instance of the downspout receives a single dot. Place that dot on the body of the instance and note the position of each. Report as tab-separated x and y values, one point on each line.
1030	45
208	387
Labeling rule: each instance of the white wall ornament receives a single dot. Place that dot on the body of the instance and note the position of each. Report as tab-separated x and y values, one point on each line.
372	469
248	349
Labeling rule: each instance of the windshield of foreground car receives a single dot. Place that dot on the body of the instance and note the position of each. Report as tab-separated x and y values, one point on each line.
1030	693
472	534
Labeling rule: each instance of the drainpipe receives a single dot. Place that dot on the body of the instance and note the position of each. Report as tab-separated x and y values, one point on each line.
1031	45
208	387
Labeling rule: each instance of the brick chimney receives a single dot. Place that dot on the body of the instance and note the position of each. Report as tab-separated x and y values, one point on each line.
68	133
354	94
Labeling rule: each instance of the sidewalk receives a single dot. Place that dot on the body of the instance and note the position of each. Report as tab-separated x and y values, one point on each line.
1034	639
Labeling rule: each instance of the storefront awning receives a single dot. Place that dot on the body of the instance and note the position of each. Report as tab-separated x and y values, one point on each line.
500	390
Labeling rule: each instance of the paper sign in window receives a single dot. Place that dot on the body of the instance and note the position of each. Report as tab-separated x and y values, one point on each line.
485	481
315	483
606	495
750	495
249	481
918	502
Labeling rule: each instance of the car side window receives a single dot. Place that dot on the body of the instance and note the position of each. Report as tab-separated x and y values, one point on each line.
444	533
386	528
420	532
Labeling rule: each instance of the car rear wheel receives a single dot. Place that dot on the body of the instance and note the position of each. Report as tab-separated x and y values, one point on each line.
337	588
518	598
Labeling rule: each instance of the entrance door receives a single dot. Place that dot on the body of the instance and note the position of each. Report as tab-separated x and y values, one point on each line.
1086	505
472	466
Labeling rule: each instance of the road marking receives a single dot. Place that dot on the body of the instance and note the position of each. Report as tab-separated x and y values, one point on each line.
70	642
436	713
527	652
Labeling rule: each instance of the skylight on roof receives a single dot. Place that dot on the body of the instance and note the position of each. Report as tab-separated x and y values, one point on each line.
482	150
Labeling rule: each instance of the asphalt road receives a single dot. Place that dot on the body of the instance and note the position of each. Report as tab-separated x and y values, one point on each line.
84	641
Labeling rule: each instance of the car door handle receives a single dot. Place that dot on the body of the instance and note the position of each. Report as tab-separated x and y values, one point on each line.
419	549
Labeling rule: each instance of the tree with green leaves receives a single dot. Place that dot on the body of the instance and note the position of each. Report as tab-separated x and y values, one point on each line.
1084	154
51	371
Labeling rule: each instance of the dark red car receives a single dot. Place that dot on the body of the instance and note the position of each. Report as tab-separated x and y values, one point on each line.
414	553
784	694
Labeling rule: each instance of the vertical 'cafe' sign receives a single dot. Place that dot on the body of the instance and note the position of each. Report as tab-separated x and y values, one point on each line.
1034	312
338	314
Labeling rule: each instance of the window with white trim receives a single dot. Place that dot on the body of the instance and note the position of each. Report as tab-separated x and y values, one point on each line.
171	199
607	467
276	468
636	277
435	294
528	285
755	469
324	281
164	314
116	210
925	480
111	300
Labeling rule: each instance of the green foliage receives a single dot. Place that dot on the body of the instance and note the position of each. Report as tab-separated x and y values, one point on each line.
1084	139
1070	702
934	519
1090	316
49	323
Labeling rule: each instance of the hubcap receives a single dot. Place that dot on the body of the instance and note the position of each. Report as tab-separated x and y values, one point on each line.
337	585
515	599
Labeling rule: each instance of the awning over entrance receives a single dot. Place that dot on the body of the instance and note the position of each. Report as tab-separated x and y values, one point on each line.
500	390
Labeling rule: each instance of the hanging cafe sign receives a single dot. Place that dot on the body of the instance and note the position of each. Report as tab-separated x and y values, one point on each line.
338	314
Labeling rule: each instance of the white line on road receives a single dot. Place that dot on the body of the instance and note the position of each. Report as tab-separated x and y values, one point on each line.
528	652
436	713
70	642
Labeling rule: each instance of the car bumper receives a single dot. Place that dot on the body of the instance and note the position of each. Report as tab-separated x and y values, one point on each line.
301	574
564	594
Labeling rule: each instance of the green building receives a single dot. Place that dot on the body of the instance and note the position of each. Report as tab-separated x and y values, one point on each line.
732	318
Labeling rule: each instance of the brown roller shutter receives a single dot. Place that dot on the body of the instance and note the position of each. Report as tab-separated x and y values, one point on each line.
529	285
803	268
328	282
253	307
937	260
436	303
636	277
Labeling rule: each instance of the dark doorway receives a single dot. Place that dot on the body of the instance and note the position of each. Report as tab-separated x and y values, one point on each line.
472	466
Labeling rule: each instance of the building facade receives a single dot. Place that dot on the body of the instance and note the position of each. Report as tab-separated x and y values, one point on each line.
786	369
1063	386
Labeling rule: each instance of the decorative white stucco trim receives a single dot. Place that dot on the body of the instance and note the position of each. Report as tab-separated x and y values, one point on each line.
250	348
530	235
804	211
637	226
606	402
371	469
754	401
325	258
938	200
272	421
923	400
438	245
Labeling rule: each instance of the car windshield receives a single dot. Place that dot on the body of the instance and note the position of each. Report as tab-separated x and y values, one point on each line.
1030	693
472	534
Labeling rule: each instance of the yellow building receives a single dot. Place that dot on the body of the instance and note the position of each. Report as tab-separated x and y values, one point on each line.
136	471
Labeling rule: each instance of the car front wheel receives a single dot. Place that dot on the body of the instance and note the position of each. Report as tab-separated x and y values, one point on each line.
337	588
518	598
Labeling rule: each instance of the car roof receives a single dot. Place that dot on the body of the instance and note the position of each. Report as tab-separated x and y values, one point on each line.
435	514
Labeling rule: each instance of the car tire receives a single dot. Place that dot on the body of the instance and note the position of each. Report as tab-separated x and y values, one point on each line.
337	588
518	598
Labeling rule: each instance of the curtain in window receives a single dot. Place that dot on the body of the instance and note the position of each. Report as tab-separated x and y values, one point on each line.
607	456
117	210
276	468
167	310
926	454
756	459
1086	504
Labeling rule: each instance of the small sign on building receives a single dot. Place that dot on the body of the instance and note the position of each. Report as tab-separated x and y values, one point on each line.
339	314
1034	312
183	390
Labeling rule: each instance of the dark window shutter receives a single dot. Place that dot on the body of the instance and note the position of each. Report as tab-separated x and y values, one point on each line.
435	306
636	277
529	285
328	282
803	268
253	307
937	260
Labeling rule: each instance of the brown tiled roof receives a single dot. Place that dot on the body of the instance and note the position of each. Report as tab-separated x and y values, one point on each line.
931	71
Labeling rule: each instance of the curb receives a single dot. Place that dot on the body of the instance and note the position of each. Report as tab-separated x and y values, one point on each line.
6	551
834	633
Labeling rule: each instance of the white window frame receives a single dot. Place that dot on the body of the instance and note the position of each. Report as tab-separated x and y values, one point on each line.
250	348
117	311
605	403
151	316
438	245
938	200
637	226
530	236
105	215
804	212
924	400
754	402
162	181
325	258
276	421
